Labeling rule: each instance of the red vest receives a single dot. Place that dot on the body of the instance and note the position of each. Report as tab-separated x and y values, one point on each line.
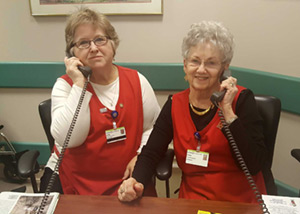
96	167
222	180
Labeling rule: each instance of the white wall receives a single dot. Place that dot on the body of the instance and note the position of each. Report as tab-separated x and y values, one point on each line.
266	32
267	38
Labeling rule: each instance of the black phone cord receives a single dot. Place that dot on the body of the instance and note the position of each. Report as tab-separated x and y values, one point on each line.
62	152
242	164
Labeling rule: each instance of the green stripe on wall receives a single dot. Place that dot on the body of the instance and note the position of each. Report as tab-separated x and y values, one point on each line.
162	76
30	74
286	88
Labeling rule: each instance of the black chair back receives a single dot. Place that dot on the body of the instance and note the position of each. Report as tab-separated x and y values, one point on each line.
45	114
269	108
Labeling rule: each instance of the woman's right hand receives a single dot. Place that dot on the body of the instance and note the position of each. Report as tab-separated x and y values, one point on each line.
130	190
73	72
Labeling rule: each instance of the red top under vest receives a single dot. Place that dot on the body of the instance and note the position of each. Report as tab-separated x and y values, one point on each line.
96	167
222	180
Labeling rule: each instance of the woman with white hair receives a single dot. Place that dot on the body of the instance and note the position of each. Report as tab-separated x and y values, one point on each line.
210	170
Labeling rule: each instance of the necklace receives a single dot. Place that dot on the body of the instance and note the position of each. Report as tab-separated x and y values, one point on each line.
200	113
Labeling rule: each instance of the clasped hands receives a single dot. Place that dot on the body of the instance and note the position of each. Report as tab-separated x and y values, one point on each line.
130	190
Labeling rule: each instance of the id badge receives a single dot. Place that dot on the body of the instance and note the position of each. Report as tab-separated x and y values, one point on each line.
114	135
197	158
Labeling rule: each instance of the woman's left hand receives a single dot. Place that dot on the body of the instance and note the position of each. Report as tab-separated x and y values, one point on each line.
231	90
129	168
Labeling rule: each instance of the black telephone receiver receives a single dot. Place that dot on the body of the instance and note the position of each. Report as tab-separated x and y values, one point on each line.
218	96
85	70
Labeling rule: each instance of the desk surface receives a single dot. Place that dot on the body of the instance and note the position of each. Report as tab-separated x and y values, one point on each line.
73	204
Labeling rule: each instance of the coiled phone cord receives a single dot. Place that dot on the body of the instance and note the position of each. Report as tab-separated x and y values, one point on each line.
243	164
62	152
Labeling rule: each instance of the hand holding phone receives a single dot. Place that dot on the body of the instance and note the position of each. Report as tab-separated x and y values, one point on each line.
85	70
218	96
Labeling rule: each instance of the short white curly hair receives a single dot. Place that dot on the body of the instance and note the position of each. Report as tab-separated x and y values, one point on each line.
209	32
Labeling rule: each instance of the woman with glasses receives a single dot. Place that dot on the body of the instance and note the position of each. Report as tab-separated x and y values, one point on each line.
116	116
210	170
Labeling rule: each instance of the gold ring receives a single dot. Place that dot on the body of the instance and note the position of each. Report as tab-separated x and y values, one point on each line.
231	84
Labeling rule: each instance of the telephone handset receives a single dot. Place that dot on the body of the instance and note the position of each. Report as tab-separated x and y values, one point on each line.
218	96
85	70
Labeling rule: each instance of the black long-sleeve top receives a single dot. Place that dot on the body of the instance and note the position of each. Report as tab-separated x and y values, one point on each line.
247	131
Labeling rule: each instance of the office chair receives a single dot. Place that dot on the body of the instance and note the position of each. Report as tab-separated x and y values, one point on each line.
269	109
28	165
10	158
18	166
163	171
45	115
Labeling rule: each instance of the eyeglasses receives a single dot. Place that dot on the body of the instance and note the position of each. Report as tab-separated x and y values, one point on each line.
210	64
84	44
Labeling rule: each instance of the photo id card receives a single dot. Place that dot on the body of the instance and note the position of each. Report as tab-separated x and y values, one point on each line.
197	158
114	135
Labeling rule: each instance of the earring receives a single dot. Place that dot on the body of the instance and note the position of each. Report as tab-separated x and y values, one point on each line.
185	78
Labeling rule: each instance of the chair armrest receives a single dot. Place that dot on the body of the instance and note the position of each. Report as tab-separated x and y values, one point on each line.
164	168
296	154
27	163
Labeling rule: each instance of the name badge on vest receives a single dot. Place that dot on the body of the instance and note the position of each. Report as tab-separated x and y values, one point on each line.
114	135
197	158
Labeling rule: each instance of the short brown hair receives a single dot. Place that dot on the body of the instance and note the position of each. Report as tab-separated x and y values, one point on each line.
84	16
